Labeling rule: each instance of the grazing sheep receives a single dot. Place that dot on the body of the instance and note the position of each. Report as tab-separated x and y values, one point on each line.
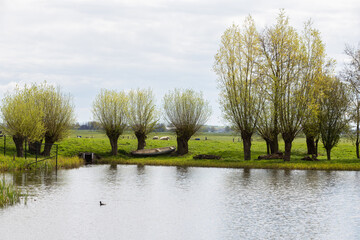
165	138
155	137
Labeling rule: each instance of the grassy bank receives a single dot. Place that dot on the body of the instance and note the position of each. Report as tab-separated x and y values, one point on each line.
346	165
9	195
8	163
227	146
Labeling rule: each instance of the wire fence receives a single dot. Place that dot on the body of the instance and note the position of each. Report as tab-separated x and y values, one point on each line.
31	150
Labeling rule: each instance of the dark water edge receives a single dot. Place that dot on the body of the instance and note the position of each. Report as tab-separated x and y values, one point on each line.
147	202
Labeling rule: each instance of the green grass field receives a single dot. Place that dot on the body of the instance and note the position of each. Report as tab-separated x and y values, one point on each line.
227	146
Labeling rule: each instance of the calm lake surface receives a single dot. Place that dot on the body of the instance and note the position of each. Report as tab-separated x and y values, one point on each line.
145	202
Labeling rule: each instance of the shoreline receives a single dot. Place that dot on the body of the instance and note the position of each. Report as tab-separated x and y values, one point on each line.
250	164
7	165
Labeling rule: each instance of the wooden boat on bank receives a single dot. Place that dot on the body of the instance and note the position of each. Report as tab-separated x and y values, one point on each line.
153	151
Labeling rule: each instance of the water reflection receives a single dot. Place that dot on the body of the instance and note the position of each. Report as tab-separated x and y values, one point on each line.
140	170
184	203
246	177
182	177
141	176
182	172
112	175
34	178
113	167
36	182
299	203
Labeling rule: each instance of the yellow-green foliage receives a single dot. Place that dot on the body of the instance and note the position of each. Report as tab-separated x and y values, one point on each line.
141	114
22	113
36	112
58	112
236	64
186	110
109	109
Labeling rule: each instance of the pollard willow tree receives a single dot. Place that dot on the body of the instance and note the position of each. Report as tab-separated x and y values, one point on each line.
351	74
110	109
284	83
315	92
59	116
315	67
142	115
22	115
333	113
187	112
271	46
236	64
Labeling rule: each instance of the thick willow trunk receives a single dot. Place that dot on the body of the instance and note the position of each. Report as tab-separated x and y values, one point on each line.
328	154
19	144
182	145
310	143
141	140
267	147
48	145
288	145
114	145
274	145
113	138
246	137
288	139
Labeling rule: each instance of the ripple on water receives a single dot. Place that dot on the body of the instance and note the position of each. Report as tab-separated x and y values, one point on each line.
184	203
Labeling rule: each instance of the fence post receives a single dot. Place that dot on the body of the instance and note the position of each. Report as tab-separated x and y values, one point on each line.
57	156
4	145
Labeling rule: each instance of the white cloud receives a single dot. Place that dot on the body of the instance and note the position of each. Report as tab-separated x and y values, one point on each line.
85	45
6	88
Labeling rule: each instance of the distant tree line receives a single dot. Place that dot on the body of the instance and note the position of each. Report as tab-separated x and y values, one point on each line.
91	125
159	127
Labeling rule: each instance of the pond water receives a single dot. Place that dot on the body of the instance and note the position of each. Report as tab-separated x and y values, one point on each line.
146	202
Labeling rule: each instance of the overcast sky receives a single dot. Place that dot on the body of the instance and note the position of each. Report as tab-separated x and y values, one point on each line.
86	45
